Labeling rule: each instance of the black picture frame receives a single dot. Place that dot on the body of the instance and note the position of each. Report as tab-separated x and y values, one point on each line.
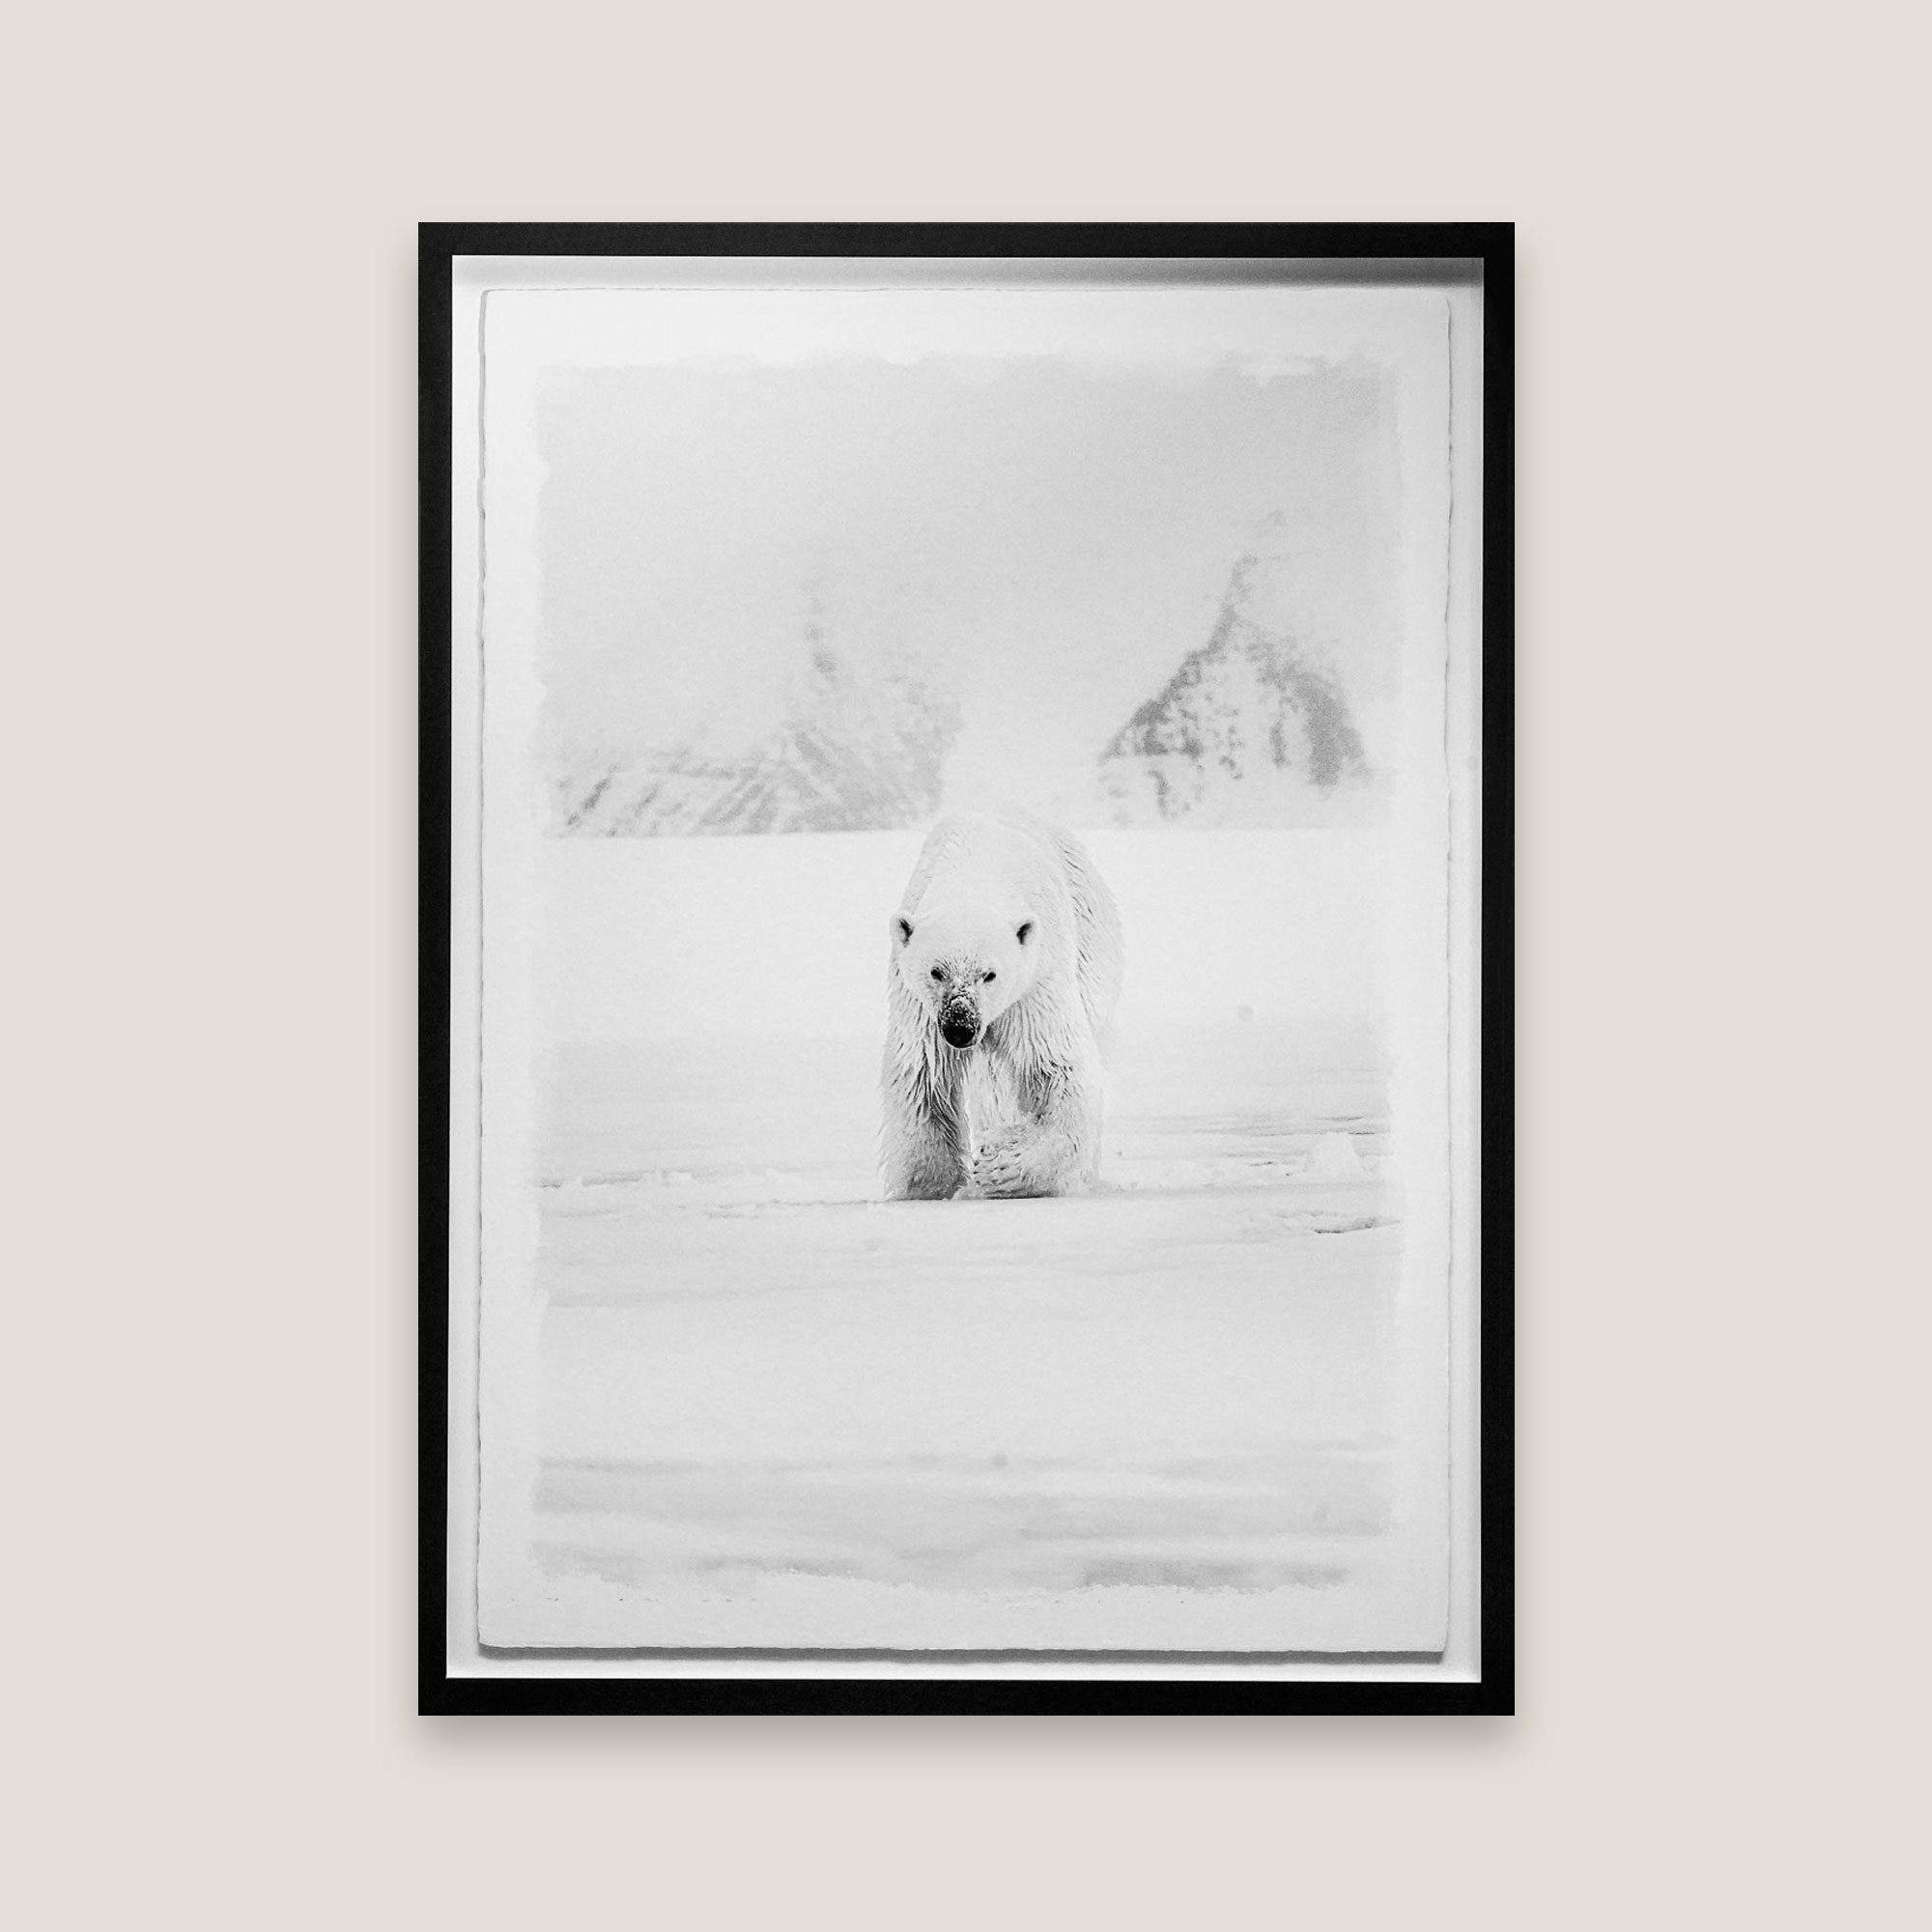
1382	252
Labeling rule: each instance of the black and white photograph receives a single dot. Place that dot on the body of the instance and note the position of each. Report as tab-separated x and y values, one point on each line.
966	931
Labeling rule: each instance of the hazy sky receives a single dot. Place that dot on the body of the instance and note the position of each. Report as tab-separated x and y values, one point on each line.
1045	537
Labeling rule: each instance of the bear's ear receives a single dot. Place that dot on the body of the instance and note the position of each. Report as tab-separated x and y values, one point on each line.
1025	933
904	928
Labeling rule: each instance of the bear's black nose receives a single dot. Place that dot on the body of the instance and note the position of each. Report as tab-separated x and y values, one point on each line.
960	1023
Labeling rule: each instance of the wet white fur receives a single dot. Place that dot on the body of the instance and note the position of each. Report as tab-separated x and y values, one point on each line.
1020	1113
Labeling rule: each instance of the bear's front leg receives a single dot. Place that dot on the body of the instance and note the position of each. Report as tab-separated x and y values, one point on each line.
1055	1150
1017	1163
924	1151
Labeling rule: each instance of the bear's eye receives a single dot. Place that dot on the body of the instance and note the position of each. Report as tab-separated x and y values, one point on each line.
905	933
937	974
1021	934
989	976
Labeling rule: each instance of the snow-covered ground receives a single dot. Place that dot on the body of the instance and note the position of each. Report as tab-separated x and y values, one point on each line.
765	1407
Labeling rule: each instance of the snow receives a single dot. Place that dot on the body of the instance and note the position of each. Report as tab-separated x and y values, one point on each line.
1333	1157
670	937
766	1407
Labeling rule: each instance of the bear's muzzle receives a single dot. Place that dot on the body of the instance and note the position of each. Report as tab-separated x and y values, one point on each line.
960	1023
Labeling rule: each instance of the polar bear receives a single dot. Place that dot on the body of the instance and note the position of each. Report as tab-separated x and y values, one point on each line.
1006	967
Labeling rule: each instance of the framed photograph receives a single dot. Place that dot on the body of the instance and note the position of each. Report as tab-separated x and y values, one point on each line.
966	1113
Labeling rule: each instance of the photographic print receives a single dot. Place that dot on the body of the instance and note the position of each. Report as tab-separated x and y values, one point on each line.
963	1010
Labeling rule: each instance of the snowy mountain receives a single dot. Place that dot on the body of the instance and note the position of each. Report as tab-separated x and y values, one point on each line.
851	753
1254	727
1266	724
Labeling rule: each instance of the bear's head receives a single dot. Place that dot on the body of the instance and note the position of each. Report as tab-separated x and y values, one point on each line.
966	967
